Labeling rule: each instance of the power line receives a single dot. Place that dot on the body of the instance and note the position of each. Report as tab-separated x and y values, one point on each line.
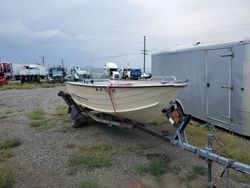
205	29
115	56
124	43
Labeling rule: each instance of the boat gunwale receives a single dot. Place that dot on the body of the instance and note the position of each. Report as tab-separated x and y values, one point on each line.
176	84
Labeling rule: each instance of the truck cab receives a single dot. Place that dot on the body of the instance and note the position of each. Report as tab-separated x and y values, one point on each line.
112	71
56	74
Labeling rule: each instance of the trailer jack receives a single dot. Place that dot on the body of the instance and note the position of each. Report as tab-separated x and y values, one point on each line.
179	120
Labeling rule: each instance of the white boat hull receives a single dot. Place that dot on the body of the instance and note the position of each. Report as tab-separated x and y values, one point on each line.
140	103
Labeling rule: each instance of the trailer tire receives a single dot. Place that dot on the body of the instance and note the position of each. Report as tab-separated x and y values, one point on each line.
23	79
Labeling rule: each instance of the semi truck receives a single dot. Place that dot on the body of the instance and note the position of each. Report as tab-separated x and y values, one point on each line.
3	77
78	74
112	71
219	77
56	74
29	73
133	74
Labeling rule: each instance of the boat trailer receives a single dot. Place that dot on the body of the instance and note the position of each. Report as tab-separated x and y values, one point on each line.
80	115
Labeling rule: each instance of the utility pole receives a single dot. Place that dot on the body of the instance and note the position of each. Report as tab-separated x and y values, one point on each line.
62	60
144	52
43	60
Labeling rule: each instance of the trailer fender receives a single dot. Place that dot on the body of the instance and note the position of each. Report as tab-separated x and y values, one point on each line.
180	106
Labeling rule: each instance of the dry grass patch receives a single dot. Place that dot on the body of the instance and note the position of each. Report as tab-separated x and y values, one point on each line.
6	177
16	85
158	165
5	154
90	161
37	114
10	143
61	110
41	124
227	144
241	178
6	145
3	116
103	148
98	155
39	119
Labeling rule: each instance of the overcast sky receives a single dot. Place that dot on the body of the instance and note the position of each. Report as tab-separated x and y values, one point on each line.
92	32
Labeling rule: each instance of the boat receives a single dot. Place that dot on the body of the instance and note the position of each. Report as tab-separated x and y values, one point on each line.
138	101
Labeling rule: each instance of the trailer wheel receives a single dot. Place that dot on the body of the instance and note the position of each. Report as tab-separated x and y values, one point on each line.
22	79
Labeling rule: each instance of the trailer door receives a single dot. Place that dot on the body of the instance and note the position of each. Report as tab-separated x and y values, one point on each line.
218	89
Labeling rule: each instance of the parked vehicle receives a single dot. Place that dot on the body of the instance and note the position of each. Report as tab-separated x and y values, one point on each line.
133	74
126	73
3	77
146	75
42	71
112	71
6	68
57	74
16	67
29	73
78	74
219	77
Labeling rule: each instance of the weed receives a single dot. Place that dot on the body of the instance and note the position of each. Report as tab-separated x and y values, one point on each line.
90	161
197	135
103	148
227	145
5	154
241	178
98	155
6	177
159	165
8	111
89	183
155	167
3	116
193	175
12	85
160	120
10	143
40	124
37	114
61	111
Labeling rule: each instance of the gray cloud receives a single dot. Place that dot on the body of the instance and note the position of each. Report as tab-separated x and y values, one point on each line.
92	32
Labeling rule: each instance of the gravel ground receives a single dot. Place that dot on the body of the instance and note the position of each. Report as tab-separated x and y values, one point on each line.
42	160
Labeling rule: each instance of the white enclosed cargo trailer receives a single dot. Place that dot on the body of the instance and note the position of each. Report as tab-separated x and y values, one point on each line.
219	82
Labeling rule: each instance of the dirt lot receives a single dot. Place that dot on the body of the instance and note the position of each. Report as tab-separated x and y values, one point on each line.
48	155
